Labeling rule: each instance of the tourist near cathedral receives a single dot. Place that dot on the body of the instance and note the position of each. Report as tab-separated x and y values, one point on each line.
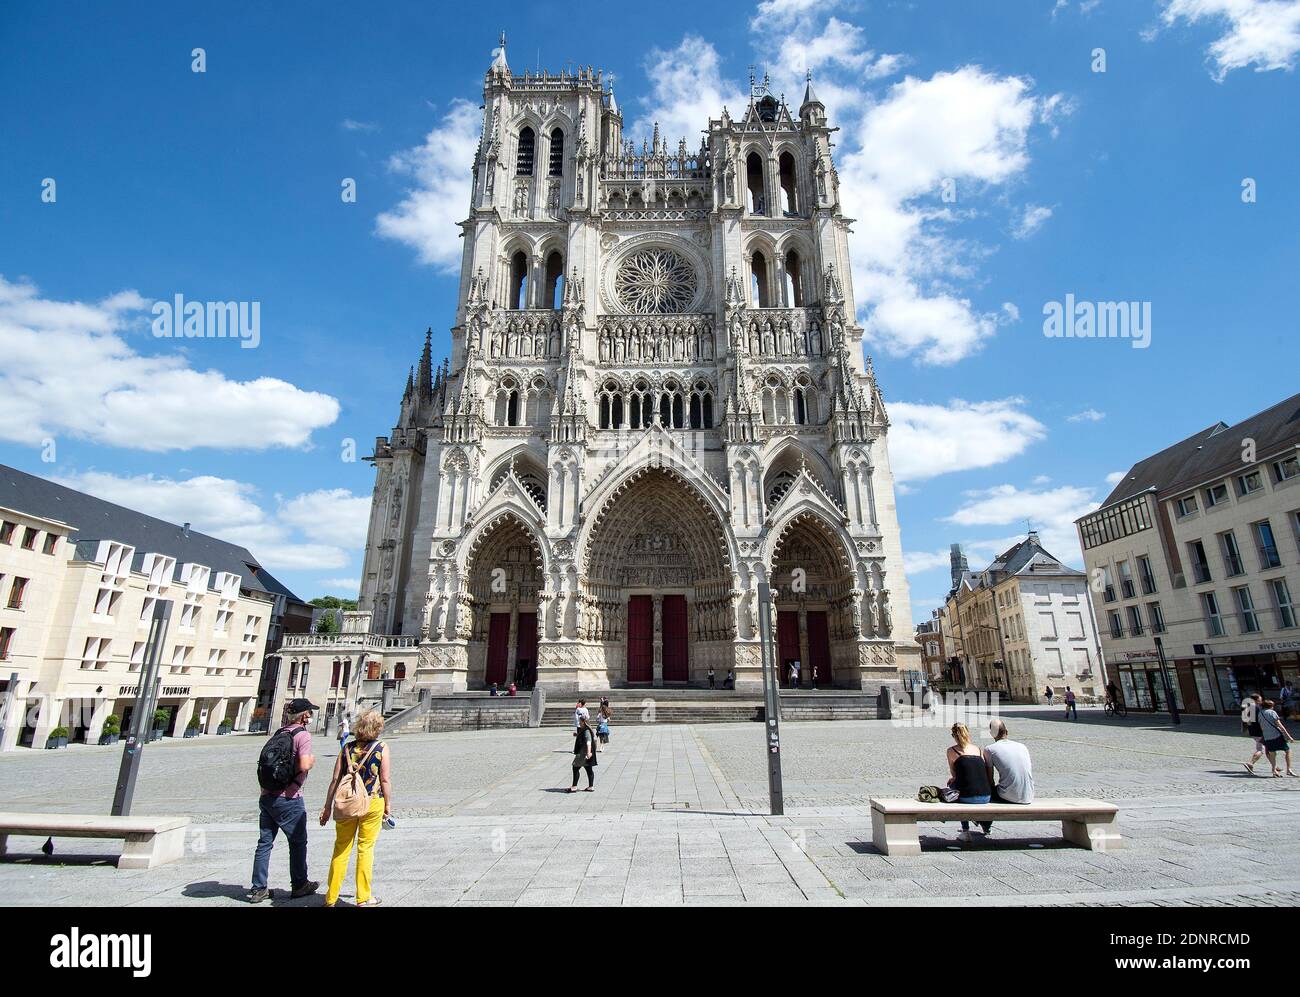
657	397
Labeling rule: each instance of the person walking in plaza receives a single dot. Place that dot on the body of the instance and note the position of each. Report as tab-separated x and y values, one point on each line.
367	757
602	724
282	768
580	714
1070	706
1008	763
794	675
344	728
1277	739
1251	708
711	680
584	756
1049	694
969	774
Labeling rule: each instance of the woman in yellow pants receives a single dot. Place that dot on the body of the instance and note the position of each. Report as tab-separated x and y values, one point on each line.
364	830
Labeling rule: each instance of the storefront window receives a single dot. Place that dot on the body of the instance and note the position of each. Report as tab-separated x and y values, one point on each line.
1204	691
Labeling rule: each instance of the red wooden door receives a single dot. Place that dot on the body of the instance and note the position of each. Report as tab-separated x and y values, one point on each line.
498	648
526	653
640	639
787	642
819	648
676	667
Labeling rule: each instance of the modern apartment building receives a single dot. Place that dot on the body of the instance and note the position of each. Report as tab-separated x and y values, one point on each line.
1199	545
79	579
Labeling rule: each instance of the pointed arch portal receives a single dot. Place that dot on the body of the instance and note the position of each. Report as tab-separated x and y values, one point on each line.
658	570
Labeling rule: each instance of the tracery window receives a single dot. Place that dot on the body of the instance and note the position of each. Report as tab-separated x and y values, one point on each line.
655	281
790	201
754	184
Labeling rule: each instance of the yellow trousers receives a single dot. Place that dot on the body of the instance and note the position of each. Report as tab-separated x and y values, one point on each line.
365	830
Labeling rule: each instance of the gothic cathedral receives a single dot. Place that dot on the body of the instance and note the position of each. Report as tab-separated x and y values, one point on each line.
655	399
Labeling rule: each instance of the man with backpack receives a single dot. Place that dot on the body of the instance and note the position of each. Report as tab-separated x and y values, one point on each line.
282	769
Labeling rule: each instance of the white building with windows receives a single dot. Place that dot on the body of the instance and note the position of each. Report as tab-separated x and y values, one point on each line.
79	578
1199	545
656	398
1023	623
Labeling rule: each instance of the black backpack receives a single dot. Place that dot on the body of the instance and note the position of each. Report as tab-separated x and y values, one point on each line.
278	763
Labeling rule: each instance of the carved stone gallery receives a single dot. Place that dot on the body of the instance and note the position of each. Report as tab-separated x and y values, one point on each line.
656	398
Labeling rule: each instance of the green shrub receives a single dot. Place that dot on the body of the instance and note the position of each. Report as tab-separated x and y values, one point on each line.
160	718
193	724
59	732
112	726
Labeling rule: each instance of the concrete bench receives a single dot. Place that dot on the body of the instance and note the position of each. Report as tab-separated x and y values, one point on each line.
150	841
1087	823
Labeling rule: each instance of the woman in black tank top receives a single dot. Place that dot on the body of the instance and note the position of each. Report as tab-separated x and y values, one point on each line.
970	776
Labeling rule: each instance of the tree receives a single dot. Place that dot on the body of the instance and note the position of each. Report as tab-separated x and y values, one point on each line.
333	602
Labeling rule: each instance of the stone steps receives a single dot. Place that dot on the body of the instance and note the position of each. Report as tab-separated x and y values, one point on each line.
634	712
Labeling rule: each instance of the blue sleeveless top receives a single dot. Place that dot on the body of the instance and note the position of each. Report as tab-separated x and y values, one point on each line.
370	773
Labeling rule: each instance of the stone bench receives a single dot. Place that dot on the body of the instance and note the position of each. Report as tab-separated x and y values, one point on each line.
149	841
1087	823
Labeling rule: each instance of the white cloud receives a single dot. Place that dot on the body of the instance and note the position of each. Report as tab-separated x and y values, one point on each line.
312	531
350	125
966	129
348	586
1262	33
686	90
1049	511
1087	415
773	14
917	561
1115	477
427	218
928	440
1031	220
68	369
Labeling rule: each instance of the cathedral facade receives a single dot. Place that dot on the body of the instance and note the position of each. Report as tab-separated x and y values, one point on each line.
656	398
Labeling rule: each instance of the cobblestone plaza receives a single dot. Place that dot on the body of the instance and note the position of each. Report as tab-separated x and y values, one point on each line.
679	816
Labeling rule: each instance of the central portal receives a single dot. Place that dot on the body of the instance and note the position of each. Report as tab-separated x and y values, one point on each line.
657	562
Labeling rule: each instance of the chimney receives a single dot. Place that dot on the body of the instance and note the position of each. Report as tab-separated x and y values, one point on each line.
185	531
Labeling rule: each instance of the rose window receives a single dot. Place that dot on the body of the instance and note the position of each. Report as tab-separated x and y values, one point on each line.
655	281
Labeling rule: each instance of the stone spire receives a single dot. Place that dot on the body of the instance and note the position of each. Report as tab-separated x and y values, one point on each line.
499	63
809	96
426	366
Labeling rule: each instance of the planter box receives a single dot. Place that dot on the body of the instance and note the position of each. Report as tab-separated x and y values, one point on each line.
192	732
56	742
156	734
223	730
108	738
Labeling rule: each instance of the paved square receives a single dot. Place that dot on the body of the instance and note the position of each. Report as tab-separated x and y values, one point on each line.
679	817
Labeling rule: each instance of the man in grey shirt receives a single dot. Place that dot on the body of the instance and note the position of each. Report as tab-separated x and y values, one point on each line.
1010	759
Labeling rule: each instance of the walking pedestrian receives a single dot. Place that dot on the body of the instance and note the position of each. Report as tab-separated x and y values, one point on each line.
1071	707
1049	694
730	681
794	675
345	728
364	758
602	724
1276	738
584	756
282	768
580	714
1251	707
711	685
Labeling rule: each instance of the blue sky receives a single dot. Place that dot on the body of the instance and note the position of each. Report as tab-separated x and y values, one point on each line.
225	185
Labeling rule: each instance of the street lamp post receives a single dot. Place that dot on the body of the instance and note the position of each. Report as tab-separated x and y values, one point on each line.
1174	715
771	702
146	701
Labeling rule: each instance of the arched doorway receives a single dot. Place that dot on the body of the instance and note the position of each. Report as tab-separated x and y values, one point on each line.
813	585
657	567
504	580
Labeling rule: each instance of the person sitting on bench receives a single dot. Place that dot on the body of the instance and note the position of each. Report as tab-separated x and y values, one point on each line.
1008	763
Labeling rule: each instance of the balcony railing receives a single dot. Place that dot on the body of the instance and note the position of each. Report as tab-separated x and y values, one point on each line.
368	642
1268	557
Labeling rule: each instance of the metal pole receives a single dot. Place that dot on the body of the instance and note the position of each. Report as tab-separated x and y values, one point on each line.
771	703
146	701
1164	677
